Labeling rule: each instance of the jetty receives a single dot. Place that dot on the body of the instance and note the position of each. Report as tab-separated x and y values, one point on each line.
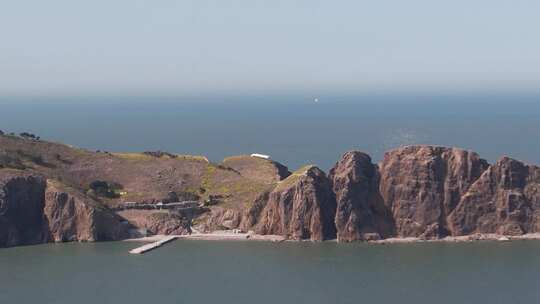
154	245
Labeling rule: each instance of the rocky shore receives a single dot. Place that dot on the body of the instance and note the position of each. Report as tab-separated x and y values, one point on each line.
462	239
51	192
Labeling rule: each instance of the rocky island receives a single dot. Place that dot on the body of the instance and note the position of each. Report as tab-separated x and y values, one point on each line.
52	192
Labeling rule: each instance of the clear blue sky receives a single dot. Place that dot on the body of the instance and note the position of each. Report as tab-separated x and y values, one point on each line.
129	46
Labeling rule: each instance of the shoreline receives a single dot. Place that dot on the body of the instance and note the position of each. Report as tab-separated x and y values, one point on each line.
478	237
229	236
214	236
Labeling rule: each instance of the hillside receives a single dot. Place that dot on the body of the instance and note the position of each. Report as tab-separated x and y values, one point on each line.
140	177
55	192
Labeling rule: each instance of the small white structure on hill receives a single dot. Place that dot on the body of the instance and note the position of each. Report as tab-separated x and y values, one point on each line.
260	155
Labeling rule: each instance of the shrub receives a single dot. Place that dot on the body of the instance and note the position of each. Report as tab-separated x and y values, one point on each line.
159	154
105	189
180	197
28	135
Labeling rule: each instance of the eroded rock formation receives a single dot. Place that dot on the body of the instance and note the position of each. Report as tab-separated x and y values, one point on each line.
71	216
300	207
168	223
220	218
422	185
361	213
416	191
504	200
34	211
21	209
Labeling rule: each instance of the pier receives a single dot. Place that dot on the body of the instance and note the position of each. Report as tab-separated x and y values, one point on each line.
154	245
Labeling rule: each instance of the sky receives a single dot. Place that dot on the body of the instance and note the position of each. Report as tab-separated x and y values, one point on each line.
66	47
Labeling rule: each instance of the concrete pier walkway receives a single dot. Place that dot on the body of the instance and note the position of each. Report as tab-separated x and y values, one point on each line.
154	245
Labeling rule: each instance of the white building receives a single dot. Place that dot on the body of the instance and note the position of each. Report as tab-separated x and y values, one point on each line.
260	156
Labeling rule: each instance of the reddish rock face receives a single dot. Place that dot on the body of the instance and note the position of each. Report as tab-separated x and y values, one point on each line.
21	209
422	185
33	211
300	207
219	219
361	213
71	216
251	215
416	191
504	200
168	223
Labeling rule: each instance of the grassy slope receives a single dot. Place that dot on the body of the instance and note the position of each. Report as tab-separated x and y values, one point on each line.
237	191
55	185
293	178
144	177
262	170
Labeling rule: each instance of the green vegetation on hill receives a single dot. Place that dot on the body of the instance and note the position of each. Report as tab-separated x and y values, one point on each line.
293	178
104	189
150	156
145	177
255	168
234	190
61	187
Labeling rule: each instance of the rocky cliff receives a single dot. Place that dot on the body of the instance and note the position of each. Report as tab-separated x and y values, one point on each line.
21	209
361	213
415	191
433	192
34	211
504	200
422	185
71	216
302	206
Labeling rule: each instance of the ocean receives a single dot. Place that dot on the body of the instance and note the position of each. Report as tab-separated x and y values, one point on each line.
263	272
294	130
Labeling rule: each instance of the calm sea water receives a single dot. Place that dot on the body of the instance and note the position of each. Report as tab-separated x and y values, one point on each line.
292	129
258	272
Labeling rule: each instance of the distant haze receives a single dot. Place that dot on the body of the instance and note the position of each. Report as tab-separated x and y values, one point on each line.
173	47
